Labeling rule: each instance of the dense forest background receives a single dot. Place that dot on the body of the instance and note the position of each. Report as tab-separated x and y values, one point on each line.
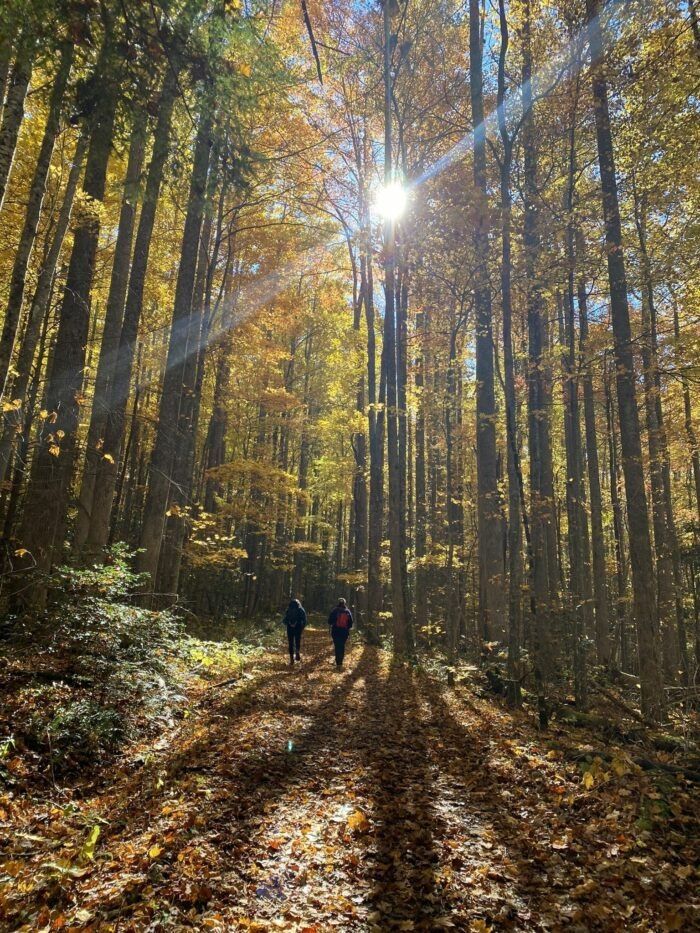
476	420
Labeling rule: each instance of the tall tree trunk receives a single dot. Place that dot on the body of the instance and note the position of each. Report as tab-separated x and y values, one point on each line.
9	31
167	438
618	529
453	494
541	491
488	505
52	470
359	440
514	542
402	415
376	420
645	609
669	583
421	511
688	414
303	478
180	497
577	525
218	422
600	596
39	306
576	537
22	454
107	468
114	313
13	111
33	213
399	609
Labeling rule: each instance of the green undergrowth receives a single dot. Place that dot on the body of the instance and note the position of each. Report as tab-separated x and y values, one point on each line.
96	671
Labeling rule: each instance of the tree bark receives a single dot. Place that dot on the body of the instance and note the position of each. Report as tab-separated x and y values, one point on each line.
107	469
403	641
13	111
600	596
33	213
488	504
43	527
167	438
645	608
514	538
543	521
114	313
37	312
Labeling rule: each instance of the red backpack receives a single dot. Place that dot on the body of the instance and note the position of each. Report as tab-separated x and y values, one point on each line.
342	620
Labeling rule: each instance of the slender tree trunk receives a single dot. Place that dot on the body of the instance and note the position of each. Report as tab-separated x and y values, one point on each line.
574	496
114	313
6	46
695	25
402	414
669	581
600	596
107	468
577	525
167	438
376	458
645	609
180	497
13	111
359	441
688	415
22	454
401	622
541	492
33	213
52	470
513	542
421	538
218	423
488	504
39	306
302	501
618	529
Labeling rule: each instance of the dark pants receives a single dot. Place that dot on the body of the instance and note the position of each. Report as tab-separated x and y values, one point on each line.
339	640
294	639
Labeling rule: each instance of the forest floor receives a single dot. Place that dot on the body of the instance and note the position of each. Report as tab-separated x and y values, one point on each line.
375	798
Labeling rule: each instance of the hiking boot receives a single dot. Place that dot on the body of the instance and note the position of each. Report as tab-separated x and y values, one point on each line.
291	662
297	657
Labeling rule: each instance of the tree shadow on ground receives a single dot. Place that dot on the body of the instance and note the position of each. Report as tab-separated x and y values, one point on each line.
247	785
402	853
529	874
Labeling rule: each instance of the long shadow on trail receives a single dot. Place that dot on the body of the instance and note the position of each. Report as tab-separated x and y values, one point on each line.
519	857
261	777
201	752
245	787
404	858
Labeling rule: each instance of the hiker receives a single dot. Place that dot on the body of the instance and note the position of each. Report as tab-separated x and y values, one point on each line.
295	620
340	623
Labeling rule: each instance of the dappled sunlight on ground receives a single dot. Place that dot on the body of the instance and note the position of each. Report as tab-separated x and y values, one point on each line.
372	798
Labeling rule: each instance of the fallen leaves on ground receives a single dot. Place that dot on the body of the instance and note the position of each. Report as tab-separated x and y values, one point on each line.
375	799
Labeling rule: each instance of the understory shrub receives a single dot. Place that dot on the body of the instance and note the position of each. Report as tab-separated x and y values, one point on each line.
94	669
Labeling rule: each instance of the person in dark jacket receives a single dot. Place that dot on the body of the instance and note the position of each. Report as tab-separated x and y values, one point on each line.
295	620
340	623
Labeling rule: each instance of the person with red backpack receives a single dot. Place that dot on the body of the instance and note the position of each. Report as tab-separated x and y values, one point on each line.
340	623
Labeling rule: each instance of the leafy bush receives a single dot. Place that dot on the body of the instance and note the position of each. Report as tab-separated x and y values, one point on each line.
99	666
80	732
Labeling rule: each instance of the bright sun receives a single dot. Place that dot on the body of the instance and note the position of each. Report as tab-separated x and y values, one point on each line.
391	200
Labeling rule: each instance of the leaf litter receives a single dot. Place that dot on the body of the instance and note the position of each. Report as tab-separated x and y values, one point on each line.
373	799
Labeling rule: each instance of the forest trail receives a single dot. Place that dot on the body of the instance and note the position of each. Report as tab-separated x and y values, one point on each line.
374	798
